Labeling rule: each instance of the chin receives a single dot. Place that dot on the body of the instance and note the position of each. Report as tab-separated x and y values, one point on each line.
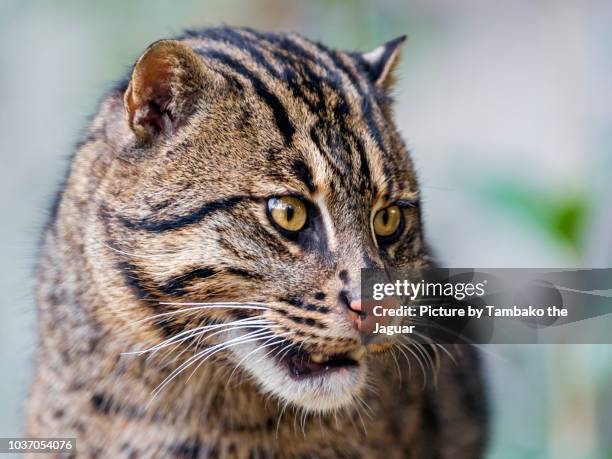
315	383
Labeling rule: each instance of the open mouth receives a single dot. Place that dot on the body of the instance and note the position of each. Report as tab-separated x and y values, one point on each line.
303	365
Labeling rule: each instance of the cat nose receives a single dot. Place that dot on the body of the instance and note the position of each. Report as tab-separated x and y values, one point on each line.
361	313
355	306
352	303
357	314
367	322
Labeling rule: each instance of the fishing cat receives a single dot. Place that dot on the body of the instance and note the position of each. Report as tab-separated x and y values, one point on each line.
198	287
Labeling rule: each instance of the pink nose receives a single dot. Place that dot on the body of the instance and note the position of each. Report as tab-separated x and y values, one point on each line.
355	307
364	318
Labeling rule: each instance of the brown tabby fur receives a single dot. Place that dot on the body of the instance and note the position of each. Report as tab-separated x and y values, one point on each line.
168	204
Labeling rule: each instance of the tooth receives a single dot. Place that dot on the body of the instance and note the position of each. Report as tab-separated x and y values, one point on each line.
357	354
316	358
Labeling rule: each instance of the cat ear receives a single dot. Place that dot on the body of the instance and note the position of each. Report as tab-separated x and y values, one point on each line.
381	61
164	88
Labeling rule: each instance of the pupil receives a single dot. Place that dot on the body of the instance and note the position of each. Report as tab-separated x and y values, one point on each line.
385	217
290	212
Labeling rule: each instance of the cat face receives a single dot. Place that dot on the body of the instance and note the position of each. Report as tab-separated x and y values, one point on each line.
263	173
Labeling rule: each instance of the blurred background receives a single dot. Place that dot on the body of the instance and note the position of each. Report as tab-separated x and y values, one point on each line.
507	107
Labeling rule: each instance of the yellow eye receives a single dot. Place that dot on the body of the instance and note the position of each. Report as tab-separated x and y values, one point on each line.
387	221
288	212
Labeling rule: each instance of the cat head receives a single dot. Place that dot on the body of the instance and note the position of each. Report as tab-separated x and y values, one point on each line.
261	173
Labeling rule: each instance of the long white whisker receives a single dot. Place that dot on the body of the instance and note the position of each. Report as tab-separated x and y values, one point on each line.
271	350
255	350
399	371
281	353
207	354
272	337
203	351
447	352
151	257
219	303
265	325
426	357
406	357
280	416
418	359
191	332
210	351
193	309
366	408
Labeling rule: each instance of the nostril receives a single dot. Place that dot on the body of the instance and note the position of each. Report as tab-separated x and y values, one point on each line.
354	306
356	315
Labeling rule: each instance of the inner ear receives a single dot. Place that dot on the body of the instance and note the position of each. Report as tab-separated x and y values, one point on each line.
164	89
381	62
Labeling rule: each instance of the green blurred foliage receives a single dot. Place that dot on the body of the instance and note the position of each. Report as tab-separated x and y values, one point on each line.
563	217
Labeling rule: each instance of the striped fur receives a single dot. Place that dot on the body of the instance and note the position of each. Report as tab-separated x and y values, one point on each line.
167	205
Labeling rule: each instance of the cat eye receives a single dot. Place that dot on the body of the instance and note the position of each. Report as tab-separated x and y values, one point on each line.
388	222
288	213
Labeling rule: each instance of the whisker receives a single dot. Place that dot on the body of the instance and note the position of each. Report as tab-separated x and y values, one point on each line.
282	350
193	331
171	358
272	337
418	359
399	372
203	354
204	351
203	335
203	307
447	352
160	256
366	409
255	350
405	357
280	416
221	349
255	304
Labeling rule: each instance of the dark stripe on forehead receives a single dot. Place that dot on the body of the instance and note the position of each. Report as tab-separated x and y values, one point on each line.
279	112
366	96
364	167
233	38
315	101
290	45
339	170
314	82
366	111
156	226
235	82
341	112
298	74
302	172
304	58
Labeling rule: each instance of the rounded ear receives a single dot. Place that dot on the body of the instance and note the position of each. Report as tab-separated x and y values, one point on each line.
166	84
381	62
